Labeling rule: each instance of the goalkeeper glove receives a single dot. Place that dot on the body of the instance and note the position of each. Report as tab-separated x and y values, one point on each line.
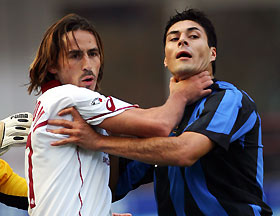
14	130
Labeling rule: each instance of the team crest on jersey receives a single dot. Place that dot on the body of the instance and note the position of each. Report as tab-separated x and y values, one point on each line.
106	159
96	101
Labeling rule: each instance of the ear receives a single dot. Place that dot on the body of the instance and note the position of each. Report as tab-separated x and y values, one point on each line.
213	54
165	62
52	70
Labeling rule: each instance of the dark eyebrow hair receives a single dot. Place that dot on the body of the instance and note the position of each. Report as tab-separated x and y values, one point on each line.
74	51
188	29
94	49
78	50
172	32
193	29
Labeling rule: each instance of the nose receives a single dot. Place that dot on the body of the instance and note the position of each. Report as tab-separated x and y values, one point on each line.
86	64
182	42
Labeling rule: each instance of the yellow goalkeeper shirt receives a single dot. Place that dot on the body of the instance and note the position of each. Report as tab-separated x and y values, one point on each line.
13	188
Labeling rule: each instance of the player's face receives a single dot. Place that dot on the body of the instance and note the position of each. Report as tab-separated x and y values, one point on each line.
187	51
80	66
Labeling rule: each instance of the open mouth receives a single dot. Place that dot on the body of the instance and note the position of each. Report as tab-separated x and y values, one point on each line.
183	54
87	79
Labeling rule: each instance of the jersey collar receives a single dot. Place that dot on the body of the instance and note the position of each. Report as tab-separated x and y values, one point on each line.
49	85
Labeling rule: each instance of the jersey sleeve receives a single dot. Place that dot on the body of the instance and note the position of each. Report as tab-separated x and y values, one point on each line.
217	118
91	105
98	107
132	174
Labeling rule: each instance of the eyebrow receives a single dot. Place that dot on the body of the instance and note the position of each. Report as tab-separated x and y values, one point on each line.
78	50
94	50
188	30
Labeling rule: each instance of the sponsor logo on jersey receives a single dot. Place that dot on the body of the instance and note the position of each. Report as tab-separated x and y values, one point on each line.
20	115
96	101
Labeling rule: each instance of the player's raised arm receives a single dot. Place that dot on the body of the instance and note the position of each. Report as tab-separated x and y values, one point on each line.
157	121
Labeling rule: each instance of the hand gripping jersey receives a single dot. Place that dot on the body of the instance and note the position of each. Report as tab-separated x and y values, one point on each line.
68	180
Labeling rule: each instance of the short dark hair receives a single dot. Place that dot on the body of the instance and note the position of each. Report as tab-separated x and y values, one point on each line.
52	45
198	17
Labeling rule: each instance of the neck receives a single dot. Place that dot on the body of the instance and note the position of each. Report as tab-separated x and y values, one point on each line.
49	85
187	75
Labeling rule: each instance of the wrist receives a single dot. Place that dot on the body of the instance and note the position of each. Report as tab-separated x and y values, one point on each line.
97	142
178	98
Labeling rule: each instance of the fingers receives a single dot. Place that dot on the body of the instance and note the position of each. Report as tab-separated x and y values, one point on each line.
204	78
63	142
14	141
64	131
209	82
173	80
206	83
70	110
65	111
204	73
61	122
206	92
20	119
18	122
16	131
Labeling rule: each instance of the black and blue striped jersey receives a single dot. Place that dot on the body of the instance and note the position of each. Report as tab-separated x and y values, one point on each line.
226	181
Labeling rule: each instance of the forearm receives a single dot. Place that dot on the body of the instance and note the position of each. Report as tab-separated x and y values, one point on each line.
169	114
156	121
160	150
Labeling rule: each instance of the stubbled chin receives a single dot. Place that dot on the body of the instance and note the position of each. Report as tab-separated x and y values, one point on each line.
90	87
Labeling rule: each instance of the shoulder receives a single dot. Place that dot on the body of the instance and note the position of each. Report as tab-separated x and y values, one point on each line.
226	87
68	91
227	94
63	96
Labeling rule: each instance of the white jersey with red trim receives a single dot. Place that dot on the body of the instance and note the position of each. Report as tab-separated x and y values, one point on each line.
68	180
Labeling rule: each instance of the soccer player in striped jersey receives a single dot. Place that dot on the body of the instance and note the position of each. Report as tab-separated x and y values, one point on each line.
68	67
212	163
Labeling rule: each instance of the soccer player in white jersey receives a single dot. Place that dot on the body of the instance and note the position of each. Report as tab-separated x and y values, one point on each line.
68	67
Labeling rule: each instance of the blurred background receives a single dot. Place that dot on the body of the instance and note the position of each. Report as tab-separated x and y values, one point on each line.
248	55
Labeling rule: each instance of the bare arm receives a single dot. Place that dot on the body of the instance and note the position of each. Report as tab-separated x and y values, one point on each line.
183	150
157	121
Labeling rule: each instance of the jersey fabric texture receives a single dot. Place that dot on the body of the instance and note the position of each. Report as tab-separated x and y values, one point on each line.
13	188
68	180
226	181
